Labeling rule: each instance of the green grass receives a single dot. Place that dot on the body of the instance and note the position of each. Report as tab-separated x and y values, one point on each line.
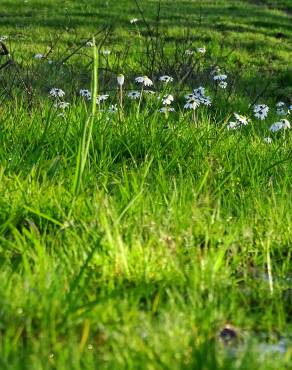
178	229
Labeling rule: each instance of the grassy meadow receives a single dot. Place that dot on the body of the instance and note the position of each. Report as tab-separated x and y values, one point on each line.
134	238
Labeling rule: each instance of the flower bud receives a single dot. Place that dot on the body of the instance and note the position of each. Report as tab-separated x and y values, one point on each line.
121	80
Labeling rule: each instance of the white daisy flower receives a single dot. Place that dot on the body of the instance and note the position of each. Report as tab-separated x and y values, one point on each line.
233	125
199	92
280	104
149	92
166	109
222	84
281	125
144	80
240	121
201	50
56	93
61	105
198	95
105	52
281	112
281	108
191	104
285	124
166	79
38	56
134	20
205	101
167	99
276	127
101	98
261	111
112	108
215	71
243	120
85	93
219	77
134	94
268	140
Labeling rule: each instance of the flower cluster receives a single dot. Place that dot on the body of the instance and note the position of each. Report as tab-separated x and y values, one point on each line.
195	99
166	100
220	80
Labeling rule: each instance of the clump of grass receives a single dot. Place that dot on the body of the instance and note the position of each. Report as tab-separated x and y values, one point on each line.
131	238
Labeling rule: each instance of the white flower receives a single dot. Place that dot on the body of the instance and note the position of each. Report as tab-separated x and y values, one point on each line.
268	140
134	20
222	84
89	44
134	94
105	52
198	96
189	52
241	119
276	127
166	109
56	93
233	125
61	105
285	124
120	79
205	101
191	104
101	98
280	104
281	112
219	77
215	71
166	79
201	50
112	108
39	56
199	92
167	99
144	80
149	92
85	93
281	125
261	111
281	108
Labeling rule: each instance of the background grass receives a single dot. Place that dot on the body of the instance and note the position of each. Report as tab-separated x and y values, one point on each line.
179	229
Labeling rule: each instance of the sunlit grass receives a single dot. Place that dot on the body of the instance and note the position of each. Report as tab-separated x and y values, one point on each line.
130	239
